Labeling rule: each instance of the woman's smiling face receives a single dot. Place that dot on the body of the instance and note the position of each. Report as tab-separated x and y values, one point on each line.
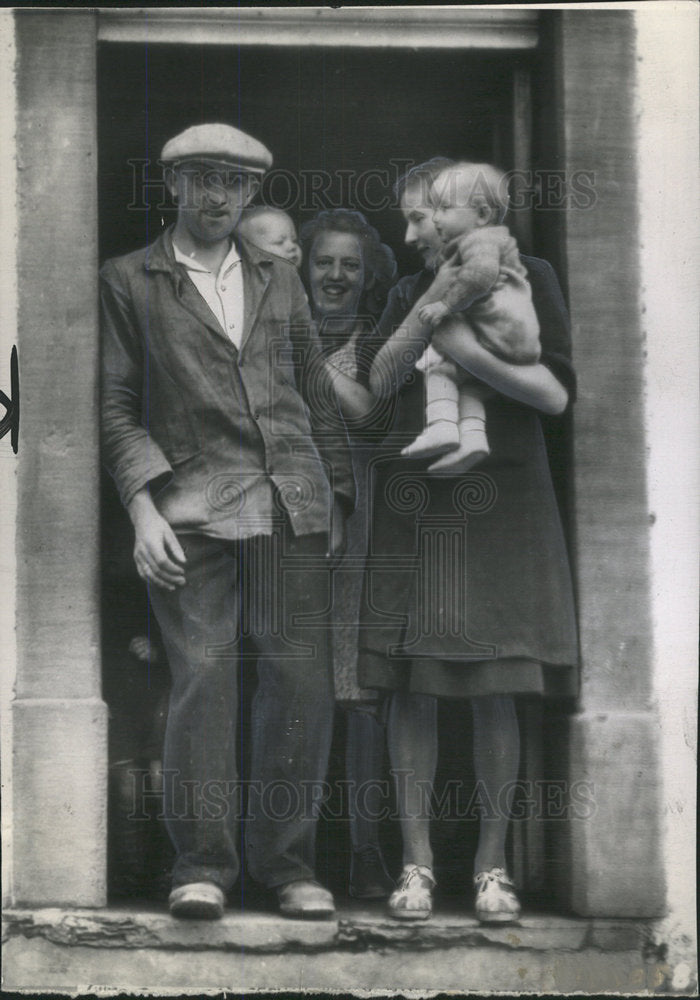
336	274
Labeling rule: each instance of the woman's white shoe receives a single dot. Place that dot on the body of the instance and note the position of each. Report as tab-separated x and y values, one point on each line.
496	901
412	899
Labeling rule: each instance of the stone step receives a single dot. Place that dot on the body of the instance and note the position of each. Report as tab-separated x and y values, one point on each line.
129	948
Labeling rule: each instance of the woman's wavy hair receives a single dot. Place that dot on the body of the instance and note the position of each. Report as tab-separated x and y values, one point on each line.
378	258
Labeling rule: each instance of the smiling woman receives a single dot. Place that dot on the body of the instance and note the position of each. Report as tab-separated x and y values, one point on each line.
349	271
336	275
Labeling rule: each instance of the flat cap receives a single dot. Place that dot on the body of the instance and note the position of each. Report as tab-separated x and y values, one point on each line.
218	144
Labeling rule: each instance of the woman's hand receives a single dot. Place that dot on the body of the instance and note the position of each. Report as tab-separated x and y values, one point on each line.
356	403
157	553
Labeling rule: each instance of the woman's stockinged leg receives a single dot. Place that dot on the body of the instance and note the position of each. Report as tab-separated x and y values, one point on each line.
412	742
496	765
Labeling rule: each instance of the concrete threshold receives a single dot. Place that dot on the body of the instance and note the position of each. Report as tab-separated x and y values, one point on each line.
355	928
130	948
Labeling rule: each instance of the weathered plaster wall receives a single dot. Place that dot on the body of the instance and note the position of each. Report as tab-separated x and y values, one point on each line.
669	244
8	461
613	739
59	719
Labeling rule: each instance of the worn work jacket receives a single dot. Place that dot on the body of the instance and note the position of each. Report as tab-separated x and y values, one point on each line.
228	440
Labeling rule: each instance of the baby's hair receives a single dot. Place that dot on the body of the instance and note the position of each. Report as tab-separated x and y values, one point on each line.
489	185
378	258
255	211
422	174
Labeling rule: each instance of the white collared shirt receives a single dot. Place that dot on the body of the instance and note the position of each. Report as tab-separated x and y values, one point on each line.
222	292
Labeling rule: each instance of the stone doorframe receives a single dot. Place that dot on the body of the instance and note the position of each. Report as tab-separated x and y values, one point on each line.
59	720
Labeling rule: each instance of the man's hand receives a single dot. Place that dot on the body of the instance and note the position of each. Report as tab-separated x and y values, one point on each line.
337	538
157	553
143	649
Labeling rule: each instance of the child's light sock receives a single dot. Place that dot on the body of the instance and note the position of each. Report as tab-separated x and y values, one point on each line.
473	443
441	432
473	448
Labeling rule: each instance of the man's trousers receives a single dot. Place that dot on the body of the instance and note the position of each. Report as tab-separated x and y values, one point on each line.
267	596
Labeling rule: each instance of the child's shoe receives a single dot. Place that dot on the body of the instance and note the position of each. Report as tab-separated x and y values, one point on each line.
437	438
473	448
496	902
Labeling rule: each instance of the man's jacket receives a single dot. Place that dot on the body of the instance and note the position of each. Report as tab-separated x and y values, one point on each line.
226	439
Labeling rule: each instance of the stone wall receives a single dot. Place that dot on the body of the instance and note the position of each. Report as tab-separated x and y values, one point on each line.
60	755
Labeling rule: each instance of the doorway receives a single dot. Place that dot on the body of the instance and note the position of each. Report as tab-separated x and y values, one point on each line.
343	124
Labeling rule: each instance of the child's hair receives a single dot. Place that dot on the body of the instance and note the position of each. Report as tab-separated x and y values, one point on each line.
254	211
489	186
378	258
422	174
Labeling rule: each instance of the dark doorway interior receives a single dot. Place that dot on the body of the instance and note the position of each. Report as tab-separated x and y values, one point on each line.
330	116
342	112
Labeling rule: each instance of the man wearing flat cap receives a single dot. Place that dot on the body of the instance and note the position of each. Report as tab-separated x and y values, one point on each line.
236	479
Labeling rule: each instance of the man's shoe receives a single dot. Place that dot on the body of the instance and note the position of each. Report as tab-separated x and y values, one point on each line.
305	899
197	901
369	878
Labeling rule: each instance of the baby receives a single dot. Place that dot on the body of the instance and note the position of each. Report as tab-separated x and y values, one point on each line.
271	229
491	289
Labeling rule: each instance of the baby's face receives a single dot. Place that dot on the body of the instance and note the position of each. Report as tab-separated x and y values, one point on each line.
454	214
275	233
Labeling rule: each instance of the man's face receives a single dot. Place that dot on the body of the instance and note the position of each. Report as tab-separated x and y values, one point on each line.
336	274
210	198
454	213
421	234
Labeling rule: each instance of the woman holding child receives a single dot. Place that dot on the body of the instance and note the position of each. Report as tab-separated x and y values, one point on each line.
487	616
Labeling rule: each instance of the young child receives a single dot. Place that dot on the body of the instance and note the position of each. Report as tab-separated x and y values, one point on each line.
490	286
271	229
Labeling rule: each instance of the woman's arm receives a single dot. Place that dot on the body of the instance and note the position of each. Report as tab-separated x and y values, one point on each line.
534	385
405	345
356	402
397	358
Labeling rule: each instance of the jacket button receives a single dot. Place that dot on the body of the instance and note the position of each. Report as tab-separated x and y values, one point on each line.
256	415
